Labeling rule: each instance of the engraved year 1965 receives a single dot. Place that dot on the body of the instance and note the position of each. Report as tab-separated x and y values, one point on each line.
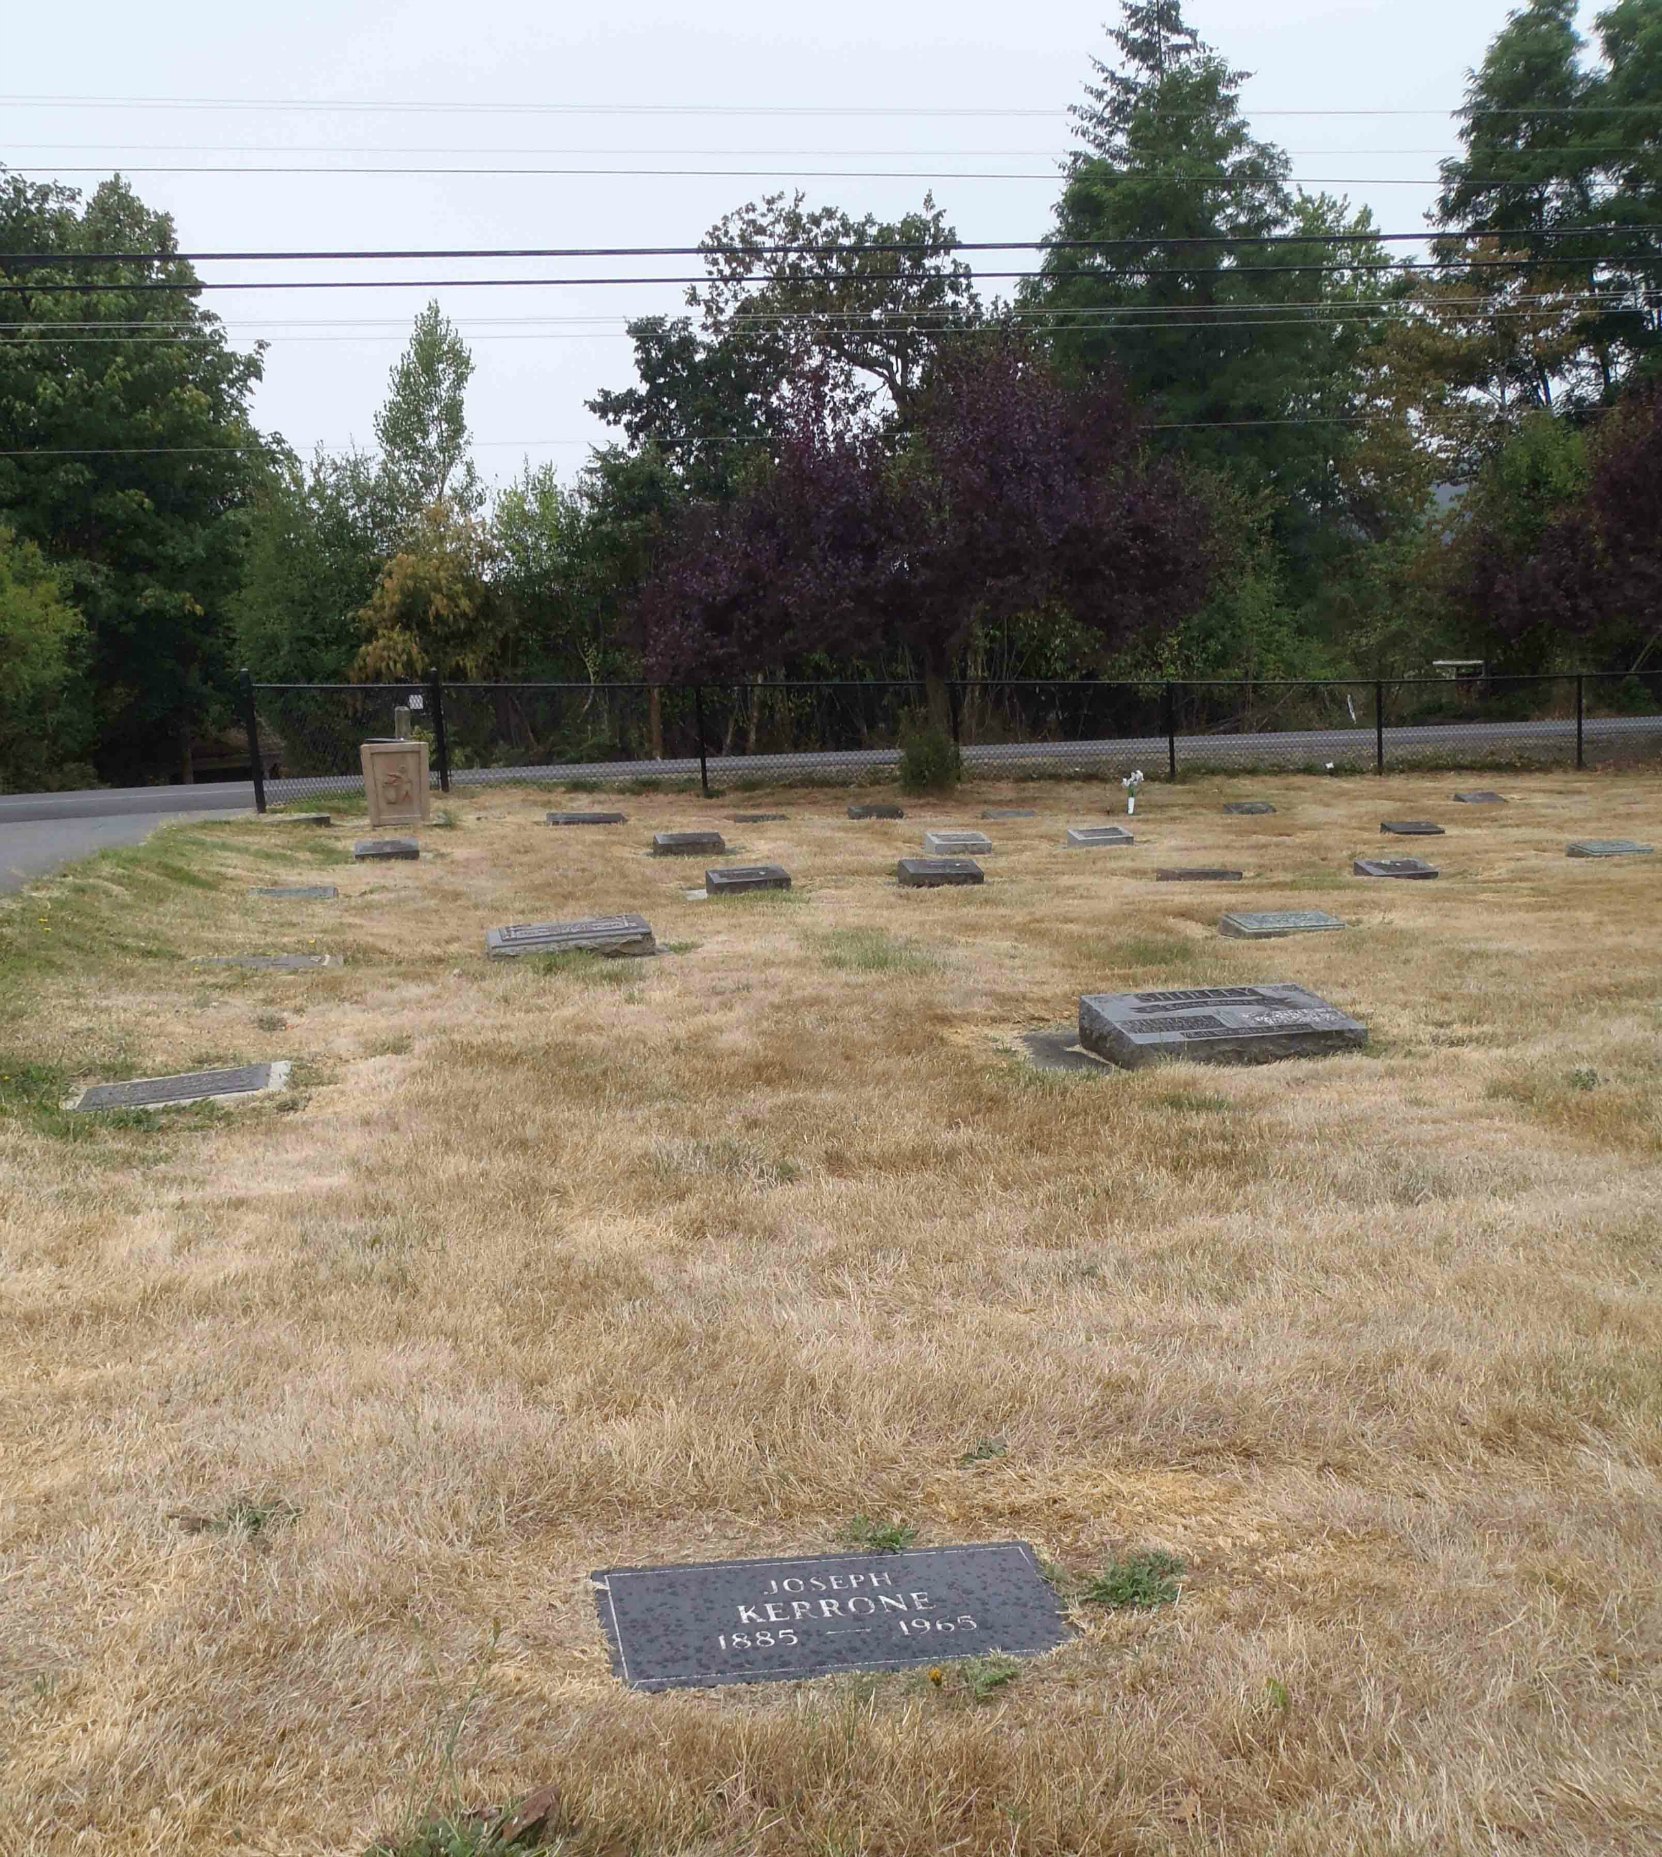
836	1602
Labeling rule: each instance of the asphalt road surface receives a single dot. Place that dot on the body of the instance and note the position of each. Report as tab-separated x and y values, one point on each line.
34	844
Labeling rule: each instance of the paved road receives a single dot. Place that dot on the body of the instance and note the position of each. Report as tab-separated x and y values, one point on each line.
32	847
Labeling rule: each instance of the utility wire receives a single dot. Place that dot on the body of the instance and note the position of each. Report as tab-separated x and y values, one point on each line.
1614	228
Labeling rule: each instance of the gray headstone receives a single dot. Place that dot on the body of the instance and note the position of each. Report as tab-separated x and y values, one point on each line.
742	877
299	818
937	873
1214	1025
1480	799
300	893
1249	808
956	844
1608	848
686	844
778	1621
1266	925
1411	828
1394	867
588	818
597	935
877	812
194	1086
758	818
1199	873
401	849
273	963
1009	812
1093	837
1060	1049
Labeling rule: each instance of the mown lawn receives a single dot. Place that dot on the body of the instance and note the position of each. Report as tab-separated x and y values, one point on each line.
316	1414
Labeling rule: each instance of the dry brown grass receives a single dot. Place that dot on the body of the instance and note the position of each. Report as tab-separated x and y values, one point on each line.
546	1271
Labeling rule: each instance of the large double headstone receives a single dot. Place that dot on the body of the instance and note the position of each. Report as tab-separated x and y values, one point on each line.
1214	1025
597	935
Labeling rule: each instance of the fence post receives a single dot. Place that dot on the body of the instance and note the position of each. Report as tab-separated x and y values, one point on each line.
251	723
1379	725
1171	732
441	736
1580	720
698	729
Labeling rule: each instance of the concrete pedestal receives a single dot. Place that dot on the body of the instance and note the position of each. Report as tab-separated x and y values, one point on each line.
395	783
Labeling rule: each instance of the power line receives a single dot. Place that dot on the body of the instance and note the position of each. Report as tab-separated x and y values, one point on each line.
336	169
805	249
873	154
331	105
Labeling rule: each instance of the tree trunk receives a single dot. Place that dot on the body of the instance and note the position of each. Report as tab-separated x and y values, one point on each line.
937	699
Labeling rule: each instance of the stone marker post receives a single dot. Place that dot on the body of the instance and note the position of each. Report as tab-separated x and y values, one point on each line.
395	783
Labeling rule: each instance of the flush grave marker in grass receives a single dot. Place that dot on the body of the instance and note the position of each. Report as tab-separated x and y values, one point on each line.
1482	798
1199	873
1394	867
686	844
937	873
742	877
1097	837
956	844
1009	812
273	963
1608	848
1249	808
401	850
300	893
758	818
1411	828
877	810
299	818
239	1083
779	1621
596	935
1266	925
588	818
1214	1025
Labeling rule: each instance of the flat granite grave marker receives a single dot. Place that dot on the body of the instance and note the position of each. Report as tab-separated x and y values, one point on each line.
1199	873
1214	1025
588	818
1480	799
1249	808
1394	867
780	1621
1266	925
937	873
758	818
401	850
686	844
877	812
956	844
741	877
236	1084
299	818
1411	828
1608	848
1009	812
300	893
1097	837
596	935
273	963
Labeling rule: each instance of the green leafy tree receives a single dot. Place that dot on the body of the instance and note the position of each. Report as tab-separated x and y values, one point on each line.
437	604
127	455
539	533
1249	356
45	724
422	428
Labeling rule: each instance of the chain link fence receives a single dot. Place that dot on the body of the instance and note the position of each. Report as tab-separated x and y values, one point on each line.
304	738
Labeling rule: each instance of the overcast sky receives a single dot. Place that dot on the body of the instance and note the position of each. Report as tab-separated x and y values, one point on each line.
961	89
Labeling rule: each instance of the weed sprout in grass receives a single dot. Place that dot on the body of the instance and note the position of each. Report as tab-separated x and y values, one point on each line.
871	1537
1135	1582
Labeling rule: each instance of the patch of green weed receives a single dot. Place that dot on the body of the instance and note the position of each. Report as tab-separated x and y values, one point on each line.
873	951
1135	1582
870	1537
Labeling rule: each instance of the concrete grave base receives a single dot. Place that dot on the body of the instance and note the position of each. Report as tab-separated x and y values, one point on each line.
609	935
400	850
1608	848
1268	925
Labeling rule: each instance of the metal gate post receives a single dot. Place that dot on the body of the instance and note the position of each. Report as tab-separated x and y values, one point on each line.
441	735
698	729
1379	725
1171	731
251	722
1580	720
